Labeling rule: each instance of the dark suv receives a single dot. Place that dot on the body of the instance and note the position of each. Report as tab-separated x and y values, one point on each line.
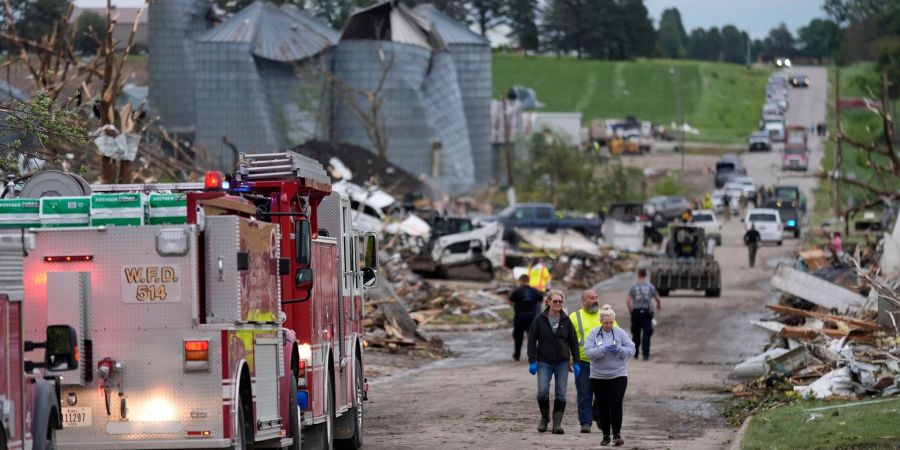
789	212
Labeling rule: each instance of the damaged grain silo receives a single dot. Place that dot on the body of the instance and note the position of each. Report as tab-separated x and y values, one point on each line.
260	82
422	115
472	57
174	27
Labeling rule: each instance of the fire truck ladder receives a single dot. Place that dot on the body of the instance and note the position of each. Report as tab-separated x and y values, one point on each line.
285	166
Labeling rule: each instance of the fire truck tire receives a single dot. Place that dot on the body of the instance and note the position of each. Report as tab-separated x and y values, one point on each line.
294	415
46	417
321	436
355	414
3	437
241	426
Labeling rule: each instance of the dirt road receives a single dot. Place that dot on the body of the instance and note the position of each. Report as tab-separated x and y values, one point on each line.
483	399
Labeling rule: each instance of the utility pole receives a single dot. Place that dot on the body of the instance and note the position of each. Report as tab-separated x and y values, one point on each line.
680	111
749	40
838	136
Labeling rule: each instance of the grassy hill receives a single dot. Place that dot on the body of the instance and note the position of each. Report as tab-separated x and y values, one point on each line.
723	101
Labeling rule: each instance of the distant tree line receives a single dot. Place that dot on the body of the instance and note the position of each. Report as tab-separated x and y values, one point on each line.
604	29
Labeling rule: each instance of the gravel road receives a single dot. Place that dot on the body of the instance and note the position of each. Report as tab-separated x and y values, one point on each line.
484	399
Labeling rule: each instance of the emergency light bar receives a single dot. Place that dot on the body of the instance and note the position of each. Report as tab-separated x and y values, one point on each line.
212	181
75	258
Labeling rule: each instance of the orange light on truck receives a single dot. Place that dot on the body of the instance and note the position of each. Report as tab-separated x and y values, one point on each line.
212	181
196	356
69	258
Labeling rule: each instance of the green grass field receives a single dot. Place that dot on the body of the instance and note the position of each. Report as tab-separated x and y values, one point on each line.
858	80
869	426
723	101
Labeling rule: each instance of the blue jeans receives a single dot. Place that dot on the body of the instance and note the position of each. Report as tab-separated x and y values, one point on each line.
585	394
560	372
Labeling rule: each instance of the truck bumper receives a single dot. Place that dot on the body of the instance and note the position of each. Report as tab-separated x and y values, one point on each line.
147	444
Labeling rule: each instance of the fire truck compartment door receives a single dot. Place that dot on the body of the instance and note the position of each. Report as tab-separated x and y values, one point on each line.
268	420
68	300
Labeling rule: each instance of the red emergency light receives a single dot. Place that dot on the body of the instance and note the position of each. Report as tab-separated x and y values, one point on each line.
69	258
212	181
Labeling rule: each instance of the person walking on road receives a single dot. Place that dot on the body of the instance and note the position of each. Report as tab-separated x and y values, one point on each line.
526	302
608	348
751	240
726	205
552	346
585	319
640	303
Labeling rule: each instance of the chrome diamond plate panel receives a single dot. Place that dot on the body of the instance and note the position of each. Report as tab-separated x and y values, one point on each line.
223	283
329	214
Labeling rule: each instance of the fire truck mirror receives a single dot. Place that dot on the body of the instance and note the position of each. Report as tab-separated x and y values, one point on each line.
370	278
303	241
62	348
304	279
371	255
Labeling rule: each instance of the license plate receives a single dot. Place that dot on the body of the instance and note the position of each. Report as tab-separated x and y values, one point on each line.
76	417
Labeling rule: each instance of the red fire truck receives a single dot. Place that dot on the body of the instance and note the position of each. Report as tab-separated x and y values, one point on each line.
29	409
233	328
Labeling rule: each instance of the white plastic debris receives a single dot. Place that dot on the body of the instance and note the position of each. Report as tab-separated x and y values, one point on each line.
757	365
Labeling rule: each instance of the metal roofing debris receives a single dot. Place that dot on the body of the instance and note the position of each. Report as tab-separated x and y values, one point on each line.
452	31
278	34
815	290
387	21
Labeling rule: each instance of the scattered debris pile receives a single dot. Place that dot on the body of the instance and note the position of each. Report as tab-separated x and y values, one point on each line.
835	332
404	303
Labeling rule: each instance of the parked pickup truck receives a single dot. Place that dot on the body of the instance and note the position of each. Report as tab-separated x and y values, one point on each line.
543	215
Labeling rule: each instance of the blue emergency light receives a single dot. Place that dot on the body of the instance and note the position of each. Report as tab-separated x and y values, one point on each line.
792	223
303	400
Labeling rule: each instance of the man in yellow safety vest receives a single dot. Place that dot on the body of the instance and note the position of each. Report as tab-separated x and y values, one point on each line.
585	319
539	276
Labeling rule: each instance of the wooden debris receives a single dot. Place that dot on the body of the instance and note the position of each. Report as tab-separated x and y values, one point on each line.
849	321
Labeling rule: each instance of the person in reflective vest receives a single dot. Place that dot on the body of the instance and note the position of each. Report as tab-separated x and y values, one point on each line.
585	319
539	277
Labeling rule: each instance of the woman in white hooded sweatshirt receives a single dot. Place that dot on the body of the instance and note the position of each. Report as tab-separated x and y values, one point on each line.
608	348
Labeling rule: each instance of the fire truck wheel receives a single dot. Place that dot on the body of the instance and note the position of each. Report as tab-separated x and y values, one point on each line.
321	435
355	414
2	437
294	415
241	426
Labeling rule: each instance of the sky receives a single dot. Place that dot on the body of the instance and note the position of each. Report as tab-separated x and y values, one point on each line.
754	16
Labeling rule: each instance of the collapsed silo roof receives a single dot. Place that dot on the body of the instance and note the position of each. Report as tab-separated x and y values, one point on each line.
283	34
452	31
389	21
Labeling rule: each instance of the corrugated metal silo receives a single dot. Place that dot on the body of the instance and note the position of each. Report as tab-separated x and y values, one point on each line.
471	54
174	27
423	104
250	85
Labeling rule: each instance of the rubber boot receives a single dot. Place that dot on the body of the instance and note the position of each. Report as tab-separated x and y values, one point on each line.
544	405
559	407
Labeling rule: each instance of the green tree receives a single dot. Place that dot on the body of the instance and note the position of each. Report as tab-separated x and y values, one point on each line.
697	44
856	10
89	28
37	18
334	12
487	14
638	29
714	44
821	38
781	42
556	172
672	36
734	45
522	23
